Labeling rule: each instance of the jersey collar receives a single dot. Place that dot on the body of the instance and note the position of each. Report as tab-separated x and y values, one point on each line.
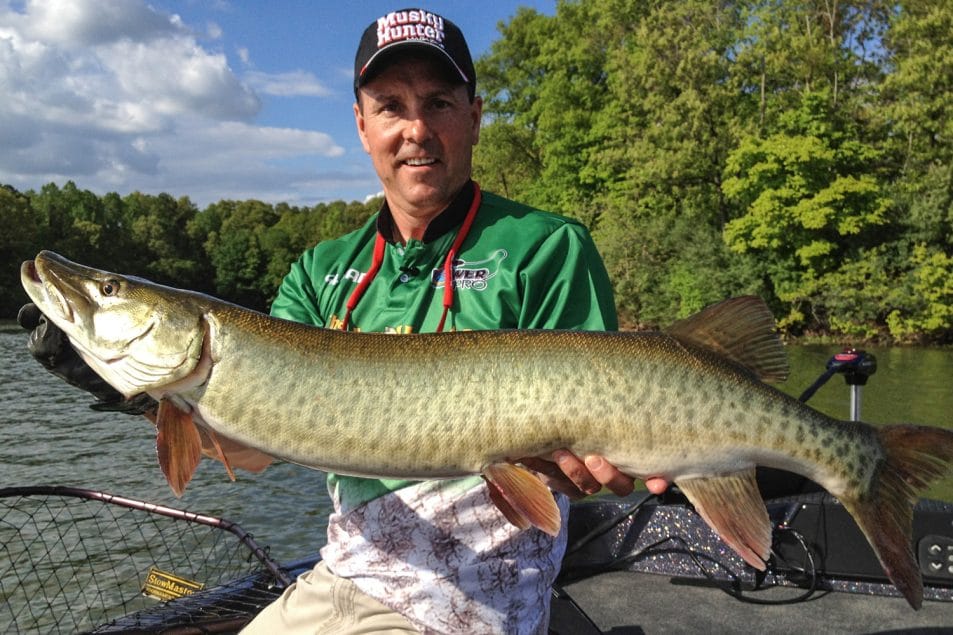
446	221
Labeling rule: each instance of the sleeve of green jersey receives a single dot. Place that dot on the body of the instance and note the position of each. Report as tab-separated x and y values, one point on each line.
297	299
564	284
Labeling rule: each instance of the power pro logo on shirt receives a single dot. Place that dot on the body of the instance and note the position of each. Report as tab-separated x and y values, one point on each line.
471	275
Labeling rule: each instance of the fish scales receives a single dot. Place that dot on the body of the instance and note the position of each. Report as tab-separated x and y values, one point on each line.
647	402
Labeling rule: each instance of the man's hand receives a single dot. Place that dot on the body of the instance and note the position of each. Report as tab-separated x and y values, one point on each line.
576	477
49	345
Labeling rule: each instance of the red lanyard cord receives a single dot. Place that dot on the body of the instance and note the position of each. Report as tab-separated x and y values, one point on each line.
448	279
376	261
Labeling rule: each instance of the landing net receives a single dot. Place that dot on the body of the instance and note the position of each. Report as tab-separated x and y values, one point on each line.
75	560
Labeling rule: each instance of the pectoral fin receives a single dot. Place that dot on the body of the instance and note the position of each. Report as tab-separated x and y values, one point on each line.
178	445
732	506
522	497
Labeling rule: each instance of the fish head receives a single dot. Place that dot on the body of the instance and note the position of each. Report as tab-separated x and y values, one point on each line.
137	335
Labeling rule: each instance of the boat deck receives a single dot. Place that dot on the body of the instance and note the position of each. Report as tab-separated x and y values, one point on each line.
639	566
628	603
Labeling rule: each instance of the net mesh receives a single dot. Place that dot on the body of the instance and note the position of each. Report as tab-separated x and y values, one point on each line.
72	560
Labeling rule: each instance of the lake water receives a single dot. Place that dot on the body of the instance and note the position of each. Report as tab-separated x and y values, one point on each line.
49	436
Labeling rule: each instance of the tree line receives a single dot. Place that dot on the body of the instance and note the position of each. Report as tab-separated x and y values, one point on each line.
800	151
237	250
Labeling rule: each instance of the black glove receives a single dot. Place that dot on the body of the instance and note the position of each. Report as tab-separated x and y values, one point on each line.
50	346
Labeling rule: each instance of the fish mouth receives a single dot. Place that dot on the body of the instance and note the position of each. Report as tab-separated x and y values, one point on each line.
38	277
28	272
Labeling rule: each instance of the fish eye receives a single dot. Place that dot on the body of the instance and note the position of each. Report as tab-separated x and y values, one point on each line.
109	287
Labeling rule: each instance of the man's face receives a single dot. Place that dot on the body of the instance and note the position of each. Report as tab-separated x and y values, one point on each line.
419	129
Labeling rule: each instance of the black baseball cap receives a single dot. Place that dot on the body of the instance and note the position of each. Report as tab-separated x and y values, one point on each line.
415	29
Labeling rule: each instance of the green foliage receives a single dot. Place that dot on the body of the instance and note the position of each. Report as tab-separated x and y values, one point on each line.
161	245
806	203
507	159
795	150
237	250
925	298
916	94
23	237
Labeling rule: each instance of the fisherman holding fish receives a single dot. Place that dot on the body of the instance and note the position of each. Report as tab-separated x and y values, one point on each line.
441	255
519	295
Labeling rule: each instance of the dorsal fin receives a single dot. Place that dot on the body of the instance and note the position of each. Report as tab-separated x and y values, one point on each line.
741	329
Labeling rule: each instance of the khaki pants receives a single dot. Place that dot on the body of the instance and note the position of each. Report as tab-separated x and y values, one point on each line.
321	602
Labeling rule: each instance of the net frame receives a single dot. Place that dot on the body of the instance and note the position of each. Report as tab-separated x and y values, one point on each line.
74	559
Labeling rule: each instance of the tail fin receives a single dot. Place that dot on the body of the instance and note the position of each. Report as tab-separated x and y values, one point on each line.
915	457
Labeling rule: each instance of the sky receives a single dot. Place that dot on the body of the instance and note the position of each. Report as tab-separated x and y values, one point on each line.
210	99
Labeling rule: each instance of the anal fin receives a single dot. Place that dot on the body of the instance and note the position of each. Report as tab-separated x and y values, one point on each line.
178	445
522	497
731	505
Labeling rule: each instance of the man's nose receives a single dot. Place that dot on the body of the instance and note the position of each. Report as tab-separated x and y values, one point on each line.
418	128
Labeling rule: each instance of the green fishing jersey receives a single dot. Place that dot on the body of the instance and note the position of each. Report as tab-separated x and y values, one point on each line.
517	268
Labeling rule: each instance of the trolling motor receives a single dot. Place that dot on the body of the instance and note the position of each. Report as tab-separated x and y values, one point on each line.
856	366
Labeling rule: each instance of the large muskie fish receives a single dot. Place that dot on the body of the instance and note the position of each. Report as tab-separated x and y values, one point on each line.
687	404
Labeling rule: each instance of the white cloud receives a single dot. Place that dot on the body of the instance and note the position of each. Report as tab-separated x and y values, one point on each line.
232	142
82	23
291	84
214	31
116	95
175	77
244	160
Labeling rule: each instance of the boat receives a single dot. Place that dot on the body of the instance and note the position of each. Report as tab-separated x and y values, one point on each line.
77	560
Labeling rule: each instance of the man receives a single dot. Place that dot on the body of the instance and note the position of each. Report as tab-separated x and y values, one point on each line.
440	255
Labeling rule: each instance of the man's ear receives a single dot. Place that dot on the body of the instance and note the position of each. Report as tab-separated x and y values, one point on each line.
476	112
359	122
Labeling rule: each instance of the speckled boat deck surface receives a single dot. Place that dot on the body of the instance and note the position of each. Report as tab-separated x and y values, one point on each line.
661	570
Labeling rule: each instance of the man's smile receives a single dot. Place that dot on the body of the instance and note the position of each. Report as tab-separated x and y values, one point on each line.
420	161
